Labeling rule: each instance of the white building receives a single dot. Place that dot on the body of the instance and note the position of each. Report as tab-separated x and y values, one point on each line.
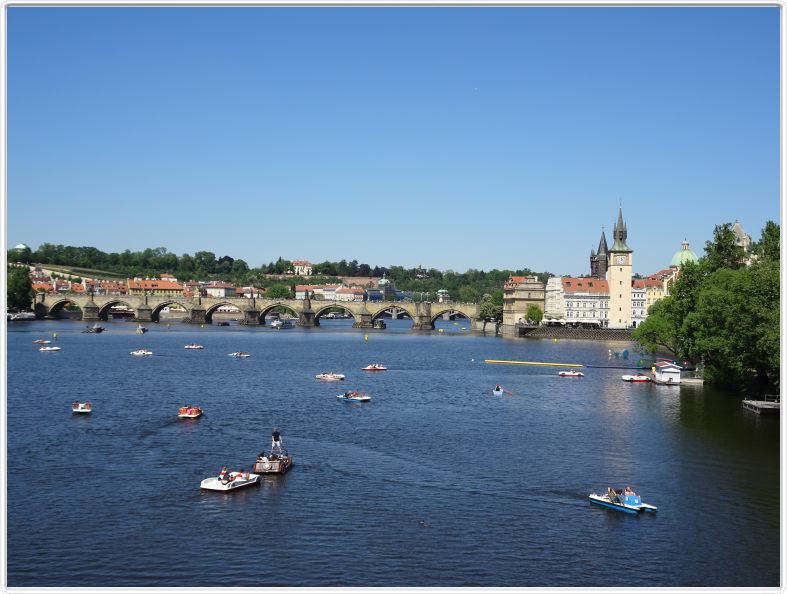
586	300
220	289
349	294
302	267
639	310
554	304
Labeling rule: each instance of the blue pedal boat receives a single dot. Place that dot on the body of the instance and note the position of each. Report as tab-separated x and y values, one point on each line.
624	500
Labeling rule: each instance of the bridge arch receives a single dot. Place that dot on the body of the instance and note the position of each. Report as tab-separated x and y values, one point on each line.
104	309
269	308
156	311
451	311
321	311
215	306
56	309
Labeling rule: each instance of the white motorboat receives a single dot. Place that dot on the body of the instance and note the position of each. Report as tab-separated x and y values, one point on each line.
141	353
375	367
239	355
193	346
140	329
329	377
42	341
229	481
22	316
571	373
82	408
354	397
636	378
49	349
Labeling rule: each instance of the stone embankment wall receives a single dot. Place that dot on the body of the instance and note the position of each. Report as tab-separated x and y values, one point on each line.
577	333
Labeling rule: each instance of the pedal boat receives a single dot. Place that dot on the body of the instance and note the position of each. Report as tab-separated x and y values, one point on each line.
636	378
354	397
141	353
229	481
82	408
189	412
49	349
329	377
193	346
497	392
623	500
375	367
41	341
239	355
571	374
273	464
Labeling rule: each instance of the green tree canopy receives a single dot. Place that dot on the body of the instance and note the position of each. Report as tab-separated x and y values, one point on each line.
19	292
534	314
278	291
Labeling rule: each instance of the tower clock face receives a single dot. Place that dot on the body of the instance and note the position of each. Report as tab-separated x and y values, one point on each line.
621	259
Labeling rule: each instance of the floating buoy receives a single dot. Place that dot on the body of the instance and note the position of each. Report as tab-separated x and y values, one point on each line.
366	337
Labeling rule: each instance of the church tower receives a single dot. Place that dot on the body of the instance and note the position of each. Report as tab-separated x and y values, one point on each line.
619	277
599	260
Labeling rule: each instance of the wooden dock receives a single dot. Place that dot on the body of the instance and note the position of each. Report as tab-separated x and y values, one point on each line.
769	406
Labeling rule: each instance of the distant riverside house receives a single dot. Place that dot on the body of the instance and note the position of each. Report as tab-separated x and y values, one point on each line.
139	286
349	294
443	296
638	302
167	277
302	267
42	287
193	288
104	287
519	293
220	289
587	301
319	292
250	292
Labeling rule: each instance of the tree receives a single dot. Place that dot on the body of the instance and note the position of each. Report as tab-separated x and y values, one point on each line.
19	292
723	251
767	249
468	295
278	291
489	310
533	314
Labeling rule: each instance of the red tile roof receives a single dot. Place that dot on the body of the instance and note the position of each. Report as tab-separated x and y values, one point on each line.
161	285
584	285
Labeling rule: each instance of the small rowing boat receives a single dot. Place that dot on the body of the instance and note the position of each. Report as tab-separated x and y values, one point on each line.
571	373
375	367
189	412
329	377
141	353
82	408
636	378
354	396
239	355
230	481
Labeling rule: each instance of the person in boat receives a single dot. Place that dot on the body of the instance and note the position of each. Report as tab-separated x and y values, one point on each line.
275	440
261	457
223	478
628	491
498	388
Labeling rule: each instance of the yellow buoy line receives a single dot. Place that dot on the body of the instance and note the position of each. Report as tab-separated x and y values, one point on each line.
533	363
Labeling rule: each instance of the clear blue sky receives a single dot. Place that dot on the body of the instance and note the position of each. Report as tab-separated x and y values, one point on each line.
453	138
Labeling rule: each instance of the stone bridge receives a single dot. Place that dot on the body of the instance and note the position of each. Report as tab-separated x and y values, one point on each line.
200	310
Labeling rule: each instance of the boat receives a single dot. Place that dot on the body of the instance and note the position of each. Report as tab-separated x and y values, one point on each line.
42	341
229	481
272	464
280	324
140	329
239	355
223	324
82	408
354	396
193	346
141	353
625	500
498	391
94	329
22	316
637	377
189	412
49	349
571	374
329	377
379	324
375	367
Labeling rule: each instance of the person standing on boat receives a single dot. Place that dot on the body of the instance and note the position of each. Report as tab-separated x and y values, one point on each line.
275	440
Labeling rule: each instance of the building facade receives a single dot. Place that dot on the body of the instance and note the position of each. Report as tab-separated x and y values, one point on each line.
599	259
519	293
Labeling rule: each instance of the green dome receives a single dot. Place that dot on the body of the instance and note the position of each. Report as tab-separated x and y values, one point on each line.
683	255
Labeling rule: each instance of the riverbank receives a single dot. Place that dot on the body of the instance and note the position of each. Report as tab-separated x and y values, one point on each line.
576	333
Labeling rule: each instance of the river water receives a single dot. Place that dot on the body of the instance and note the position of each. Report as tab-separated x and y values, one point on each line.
435	482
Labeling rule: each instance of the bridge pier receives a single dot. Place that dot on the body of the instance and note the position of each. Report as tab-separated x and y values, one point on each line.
197	315
143	313
90	311
422	320
363	320
251	317
307	318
